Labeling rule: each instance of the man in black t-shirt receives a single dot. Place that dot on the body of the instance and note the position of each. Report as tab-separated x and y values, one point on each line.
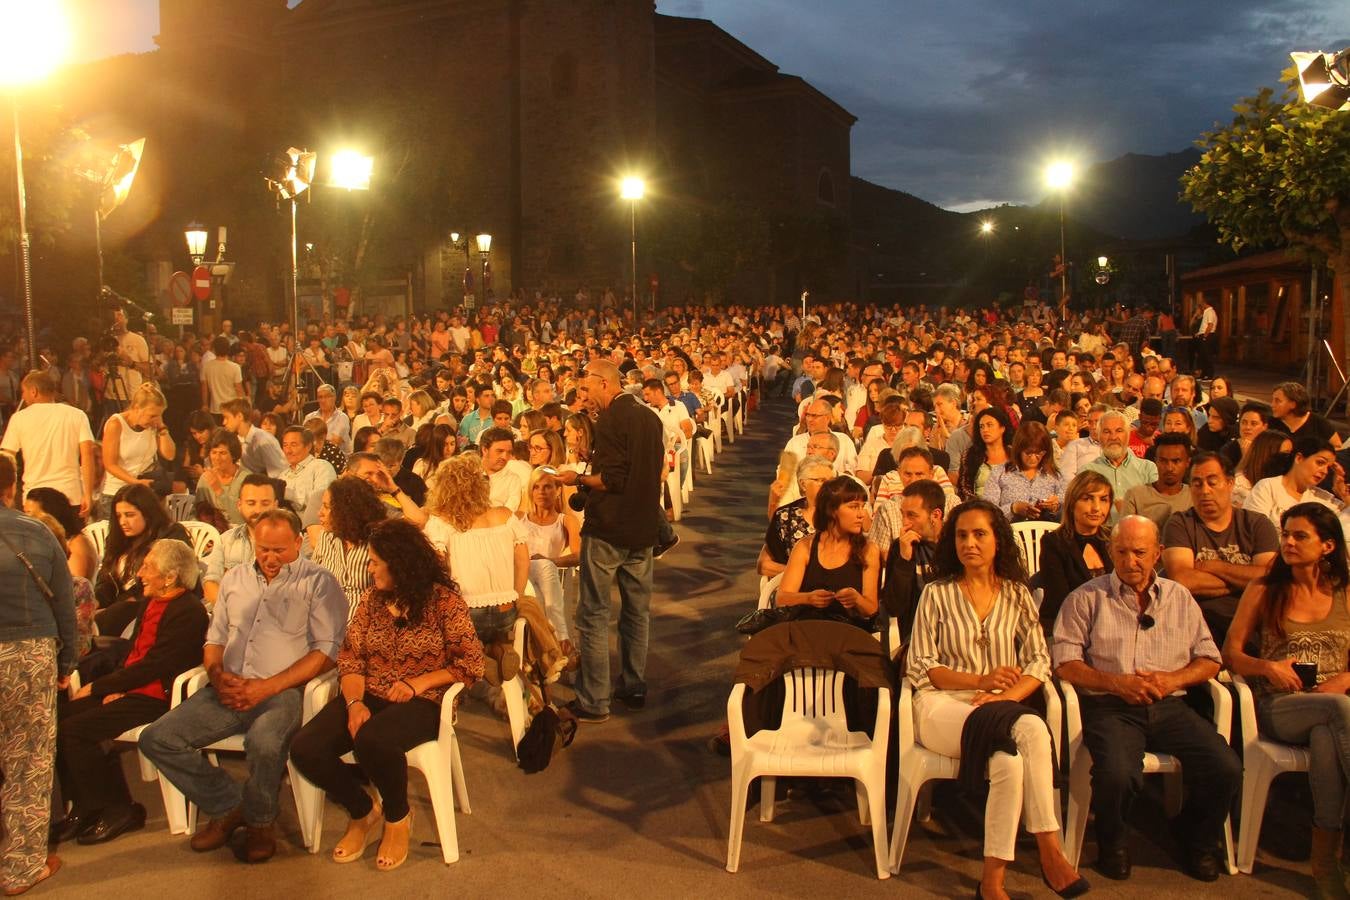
1214	549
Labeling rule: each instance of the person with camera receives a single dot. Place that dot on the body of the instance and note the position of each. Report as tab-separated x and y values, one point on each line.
620	491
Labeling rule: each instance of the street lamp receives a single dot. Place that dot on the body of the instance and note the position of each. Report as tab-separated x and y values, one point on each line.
196	242
38	39
986	228
632	189
1059	177
484	242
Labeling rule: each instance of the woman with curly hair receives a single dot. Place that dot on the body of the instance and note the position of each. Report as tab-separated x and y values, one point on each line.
138	520
991	448
411	638
486	547
837	569
977	641
340	540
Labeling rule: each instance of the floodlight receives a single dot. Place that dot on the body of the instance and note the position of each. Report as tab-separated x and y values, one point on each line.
291	173
1324	78
1059	175
37	40
632	188
121	173
351	170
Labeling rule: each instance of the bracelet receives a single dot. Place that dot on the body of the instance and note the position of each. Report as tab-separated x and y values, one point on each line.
351	702
410	687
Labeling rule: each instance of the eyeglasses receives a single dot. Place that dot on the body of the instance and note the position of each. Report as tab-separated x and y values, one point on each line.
1146	621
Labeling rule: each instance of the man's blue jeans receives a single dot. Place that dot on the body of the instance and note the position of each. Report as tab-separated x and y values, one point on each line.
174	742
603	564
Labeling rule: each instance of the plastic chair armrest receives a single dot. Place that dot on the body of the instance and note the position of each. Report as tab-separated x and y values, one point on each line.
1223	709
735	718
905	716
193	680
447	728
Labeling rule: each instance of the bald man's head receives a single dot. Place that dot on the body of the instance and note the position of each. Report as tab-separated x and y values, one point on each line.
602	382
1135	551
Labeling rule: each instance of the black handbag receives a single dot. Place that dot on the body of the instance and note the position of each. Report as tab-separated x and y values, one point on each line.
160	480
551	730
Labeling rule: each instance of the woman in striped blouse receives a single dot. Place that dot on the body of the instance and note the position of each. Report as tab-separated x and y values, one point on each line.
340	540
977	640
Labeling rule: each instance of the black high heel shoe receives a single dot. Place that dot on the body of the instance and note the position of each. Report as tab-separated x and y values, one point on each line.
1076	889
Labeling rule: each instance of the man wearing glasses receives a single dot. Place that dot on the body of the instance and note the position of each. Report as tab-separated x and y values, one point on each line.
818	422
1132	643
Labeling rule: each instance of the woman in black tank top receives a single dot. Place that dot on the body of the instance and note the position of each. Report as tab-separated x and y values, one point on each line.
837	569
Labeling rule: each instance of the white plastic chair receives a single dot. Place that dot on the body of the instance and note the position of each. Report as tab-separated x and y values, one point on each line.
438	760
812	741
1080	772
204	537
767	586
919	766
685	457
196	679
714	422
1262	761
728	420
674	492
182	507
513	691
739	417
97	532
1029	536
706	450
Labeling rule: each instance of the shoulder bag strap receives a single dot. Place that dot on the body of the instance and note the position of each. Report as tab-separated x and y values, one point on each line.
23	558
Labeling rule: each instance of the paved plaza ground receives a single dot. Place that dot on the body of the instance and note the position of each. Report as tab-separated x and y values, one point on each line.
639	806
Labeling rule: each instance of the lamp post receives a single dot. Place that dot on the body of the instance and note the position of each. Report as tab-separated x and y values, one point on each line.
632	189
39	38
1059	176
196	242
484	242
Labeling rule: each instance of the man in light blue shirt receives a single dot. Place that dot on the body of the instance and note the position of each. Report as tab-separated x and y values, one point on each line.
276	624
1117	464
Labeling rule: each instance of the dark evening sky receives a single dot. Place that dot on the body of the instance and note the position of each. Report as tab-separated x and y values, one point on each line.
962	103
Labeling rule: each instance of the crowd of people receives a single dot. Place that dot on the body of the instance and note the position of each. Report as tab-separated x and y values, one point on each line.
389	497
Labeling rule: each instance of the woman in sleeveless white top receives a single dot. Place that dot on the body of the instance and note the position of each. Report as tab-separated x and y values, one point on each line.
131	441
554	541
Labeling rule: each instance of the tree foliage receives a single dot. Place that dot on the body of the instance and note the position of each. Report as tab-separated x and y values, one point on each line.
1278	174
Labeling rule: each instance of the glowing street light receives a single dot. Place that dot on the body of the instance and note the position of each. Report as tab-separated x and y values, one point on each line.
196	242
986	227
38	39
352	170
1059	177
632	189
484	242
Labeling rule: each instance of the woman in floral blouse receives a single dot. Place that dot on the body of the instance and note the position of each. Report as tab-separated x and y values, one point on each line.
410	639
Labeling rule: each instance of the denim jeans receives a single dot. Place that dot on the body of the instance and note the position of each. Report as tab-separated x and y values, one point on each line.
603	564
173	743
1320	722
548	587
492	624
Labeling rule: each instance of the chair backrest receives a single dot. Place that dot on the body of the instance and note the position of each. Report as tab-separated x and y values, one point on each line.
813	693
97	532
766	588
1029	535
181	507
204	537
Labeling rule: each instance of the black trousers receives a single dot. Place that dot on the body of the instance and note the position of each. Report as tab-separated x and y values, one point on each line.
1117	734
90	777
392	730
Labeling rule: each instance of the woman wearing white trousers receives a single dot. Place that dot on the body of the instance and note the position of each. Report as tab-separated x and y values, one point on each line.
977	639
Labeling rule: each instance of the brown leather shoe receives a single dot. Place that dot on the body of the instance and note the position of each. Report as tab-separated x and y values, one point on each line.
217	832
260	844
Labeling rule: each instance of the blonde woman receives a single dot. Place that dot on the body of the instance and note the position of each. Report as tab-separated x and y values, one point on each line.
422	408
351	402
133	442
486	549
553	537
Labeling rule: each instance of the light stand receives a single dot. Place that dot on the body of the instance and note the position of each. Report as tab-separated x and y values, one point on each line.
633	189
25	249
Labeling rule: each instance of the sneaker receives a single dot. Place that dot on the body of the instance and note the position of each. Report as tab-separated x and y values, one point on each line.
585	716
660	549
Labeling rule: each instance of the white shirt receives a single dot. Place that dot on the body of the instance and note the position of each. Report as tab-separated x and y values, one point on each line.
1077	453
305	480
339	428
262	453
505	487
49	436
1209	321
845	463
720	383
672	414
221	376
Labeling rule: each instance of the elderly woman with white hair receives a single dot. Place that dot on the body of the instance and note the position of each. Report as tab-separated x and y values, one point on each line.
792	521
166	640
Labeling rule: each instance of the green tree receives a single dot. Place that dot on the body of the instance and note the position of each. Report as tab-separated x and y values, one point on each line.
1279	175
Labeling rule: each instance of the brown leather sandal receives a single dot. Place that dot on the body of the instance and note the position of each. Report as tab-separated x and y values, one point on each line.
354	843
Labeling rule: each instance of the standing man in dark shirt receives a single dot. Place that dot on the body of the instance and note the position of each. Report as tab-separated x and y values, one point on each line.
624	485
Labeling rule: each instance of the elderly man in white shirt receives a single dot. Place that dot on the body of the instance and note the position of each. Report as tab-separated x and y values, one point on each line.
818	422
306	475
339	426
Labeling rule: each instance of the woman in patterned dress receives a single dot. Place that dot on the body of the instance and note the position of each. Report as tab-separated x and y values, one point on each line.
411	638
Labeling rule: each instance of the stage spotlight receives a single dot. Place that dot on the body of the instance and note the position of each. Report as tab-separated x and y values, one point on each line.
1324	78
291	173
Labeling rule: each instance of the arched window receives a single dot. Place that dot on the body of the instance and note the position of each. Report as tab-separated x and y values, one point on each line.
563	76
825	187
